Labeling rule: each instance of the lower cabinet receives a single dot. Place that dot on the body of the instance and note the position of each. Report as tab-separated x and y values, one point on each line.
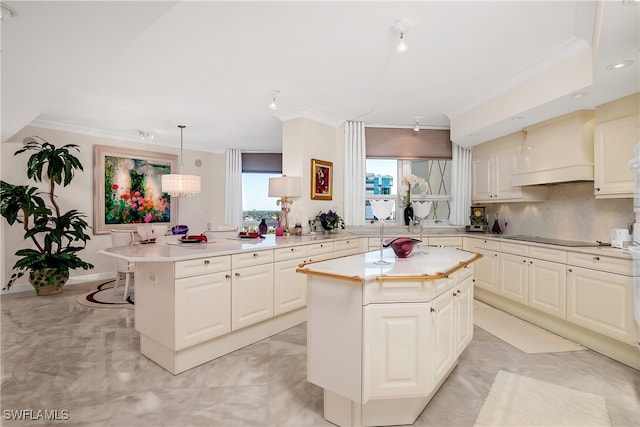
602	302
463	309
251	295
443	336
486	270
203	308
290	288
548	287
396	353
513	279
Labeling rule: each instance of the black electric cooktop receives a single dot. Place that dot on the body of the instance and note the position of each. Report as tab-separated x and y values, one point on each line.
559	242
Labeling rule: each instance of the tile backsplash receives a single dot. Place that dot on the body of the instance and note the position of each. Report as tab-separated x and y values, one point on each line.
571	212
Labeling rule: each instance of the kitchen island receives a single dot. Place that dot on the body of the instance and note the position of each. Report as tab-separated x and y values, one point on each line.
382	339
195	302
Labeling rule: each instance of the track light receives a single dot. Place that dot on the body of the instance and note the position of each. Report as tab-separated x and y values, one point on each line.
274	95
402	45
416	128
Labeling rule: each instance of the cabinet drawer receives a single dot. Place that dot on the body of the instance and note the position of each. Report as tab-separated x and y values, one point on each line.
514	248
548	254
195	267
320	248
251	258
452	241
602	263
283	254
492	245
346	247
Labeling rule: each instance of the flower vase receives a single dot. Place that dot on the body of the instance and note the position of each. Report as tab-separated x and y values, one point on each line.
408	215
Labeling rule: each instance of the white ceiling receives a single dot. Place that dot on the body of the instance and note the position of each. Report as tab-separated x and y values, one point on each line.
114	68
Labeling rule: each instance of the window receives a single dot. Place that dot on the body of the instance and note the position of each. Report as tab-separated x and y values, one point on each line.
256	204
384	181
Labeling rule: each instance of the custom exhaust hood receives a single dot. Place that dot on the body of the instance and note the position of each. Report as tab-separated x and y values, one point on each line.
557	150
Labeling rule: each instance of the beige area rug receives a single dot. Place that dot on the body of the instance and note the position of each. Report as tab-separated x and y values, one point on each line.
104	296
519	333
517	400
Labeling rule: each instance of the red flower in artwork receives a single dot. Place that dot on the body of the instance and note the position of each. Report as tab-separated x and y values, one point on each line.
114	187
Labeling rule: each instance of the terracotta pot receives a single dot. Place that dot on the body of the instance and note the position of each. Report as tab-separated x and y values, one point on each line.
48	281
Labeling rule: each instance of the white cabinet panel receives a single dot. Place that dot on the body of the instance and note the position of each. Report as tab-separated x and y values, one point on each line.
290	288
444	336
513	278
203	308
396	362
601	302
548	287
194	267
251	295
613	148
463	308
486	270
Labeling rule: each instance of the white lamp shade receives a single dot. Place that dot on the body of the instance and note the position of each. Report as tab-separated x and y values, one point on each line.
288	186
179	185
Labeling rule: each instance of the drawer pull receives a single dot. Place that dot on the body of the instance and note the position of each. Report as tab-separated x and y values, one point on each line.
237	274
292	250
255	254
206	262
433	310
570	270
596	258
227	276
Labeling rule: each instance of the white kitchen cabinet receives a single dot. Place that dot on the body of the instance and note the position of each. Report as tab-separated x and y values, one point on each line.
397	357
251	295
449	241
548	287
444	336
613	148
290	288
202	308
487	270
602	302
493	164
320	251
513	280
463	314
347	247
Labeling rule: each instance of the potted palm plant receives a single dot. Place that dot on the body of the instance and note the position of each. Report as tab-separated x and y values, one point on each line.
57	236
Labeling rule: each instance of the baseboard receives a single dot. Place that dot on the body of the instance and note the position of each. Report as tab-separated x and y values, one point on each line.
75	280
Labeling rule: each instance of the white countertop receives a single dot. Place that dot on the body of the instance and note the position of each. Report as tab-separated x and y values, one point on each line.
426	261
168	248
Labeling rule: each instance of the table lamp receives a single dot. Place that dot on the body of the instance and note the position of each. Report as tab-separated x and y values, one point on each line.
284	187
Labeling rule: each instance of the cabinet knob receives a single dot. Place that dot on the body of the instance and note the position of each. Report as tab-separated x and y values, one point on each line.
524	260
433	310
237	274
570	270
292	249
227	276
596	258
597	188
255	254
530	262
207	262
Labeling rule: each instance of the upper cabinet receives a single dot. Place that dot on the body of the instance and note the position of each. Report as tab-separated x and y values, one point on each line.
493	164
613	148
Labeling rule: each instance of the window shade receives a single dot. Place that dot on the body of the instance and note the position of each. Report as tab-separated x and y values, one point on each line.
407	144
262	162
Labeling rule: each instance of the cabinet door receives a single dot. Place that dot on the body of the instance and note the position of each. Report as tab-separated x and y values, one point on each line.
251	295
486	270
482	177
203	308
613	148
396	350
601	302
289	287
444	337
548	287
505	164
463	308
513	277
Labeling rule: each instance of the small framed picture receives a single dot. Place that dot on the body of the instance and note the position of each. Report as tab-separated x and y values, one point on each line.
321	180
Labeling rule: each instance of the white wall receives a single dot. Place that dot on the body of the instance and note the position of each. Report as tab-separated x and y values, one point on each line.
303	140
196	212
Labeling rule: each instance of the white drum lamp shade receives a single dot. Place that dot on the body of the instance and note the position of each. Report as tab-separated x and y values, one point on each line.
285	186
180	185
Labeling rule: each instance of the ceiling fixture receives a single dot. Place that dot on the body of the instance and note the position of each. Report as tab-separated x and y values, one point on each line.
180	185
416	128
145	136
274	95
619	65
7	12
401	27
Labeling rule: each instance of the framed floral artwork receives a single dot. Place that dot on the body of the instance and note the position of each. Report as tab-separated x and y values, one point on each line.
321	180
127	189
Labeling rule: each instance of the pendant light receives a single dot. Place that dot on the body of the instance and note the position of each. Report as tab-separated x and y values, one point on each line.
181	185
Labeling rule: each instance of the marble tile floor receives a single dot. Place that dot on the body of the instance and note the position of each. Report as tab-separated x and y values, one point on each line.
84	363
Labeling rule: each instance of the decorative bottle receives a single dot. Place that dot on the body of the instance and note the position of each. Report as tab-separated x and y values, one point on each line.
279	230
263	228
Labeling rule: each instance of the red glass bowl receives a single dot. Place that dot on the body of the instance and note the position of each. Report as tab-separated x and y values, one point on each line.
402	246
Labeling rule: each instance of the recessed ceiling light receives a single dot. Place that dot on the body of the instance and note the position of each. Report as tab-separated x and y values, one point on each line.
516	118
578	95
619	65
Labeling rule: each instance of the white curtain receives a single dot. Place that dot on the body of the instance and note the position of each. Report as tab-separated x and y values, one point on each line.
233	190
354	173
460	185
